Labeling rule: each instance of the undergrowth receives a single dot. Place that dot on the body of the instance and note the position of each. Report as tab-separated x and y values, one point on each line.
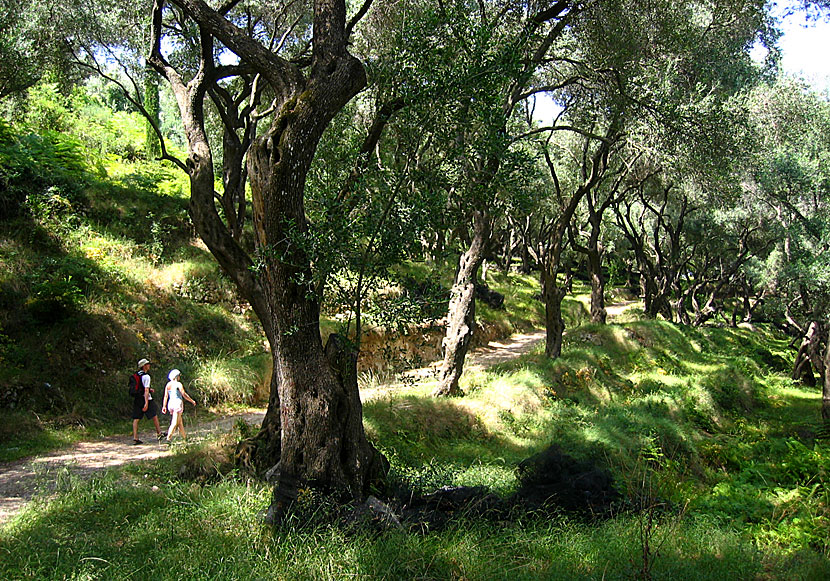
101	268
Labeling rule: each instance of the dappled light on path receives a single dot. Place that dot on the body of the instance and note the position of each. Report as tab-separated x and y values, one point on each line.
481	358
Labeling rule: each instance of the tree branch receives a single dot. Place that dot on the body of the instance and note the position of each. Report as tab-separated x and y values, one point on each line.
282	75
135	102
357	17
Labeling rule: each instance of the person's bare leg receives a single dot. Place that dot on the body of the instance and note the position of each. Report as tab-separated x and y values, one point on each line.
158	427
181	427
173	423
135	430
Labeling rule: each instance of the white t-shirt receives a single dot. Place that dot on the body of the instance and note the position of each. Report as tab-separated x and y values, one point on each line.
145	381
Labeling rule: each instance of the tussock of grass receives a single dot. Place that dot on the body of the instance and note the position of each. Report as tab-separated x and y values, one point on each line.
224	380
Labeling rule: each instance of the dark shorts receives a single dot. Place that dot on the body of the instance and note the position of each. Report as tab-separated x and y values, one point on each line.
138	405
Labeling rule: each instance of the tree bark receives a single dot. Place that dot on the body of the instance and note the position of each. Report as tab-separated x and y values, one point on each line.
825	388
554	323
461	314
803	366
314	421
593	252
323	443
598	312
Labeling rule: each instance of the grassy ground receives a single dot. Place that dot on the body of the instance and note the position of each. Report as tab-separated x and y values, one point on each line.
700	426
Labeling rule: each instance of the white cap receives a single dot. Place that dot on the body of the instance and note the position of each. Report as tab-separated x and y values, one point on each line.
173	374
143	362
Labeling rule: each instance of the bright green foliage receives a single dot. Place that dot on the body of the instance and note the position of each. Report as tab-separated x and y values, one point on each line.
46	169
23	52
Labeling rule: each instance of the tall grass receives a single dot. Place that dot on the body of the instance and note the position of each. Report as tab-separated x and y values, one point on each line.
222	379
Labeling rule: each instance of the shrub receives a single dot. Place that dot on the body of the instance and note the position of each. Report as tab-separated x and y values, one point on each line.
48	168
54	299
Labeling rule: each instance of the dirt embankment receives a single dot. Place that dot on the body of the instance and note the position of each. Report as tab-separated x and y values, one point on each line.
384	351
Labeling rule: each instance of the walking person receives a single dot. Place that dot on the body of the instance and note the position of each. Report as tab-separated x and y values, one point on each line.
143	404
174	393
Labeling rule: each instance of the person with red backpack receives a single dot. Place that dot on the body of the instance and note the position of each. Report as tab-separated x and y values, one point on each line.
143	404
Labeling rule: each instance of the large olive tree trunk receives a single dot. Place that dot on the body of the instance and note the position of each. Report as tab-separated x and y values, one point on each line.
461	314
313	426
807	358
323	443
825	389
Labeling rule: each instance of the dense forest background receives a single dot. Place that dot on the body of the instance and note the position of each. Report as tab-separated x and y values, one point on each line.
300	201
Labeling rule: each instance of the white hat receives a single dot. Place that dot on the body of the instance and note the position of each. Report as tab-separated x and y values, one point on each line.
173	374
143	362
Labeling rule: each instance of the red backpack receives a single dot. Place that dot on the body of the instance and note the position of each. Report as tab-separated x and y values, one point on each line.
135	388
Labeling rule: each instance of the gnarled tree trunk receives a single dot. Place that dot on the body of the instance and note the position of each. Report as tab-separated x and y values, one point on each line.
825	388
806	356
554	323
598	312
461	314
314	422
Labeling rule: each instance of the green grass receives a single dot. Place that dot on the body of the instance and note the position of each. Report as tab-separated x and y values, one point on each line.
703	423
704	419
105	530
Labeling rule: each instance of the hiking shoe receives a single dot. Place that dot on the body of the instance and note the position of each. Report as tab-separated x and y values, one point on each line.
137	442
160	437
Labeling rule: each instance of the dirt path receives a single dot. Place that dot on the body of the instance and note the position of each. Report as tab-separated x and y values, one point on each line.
493	353
21	480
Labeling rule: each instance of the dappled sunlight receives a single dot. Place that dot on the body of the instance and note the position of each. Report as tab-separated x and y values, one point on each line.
600	393
489	426
422	418
170	274
701	367
795	394
659	376
102	247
